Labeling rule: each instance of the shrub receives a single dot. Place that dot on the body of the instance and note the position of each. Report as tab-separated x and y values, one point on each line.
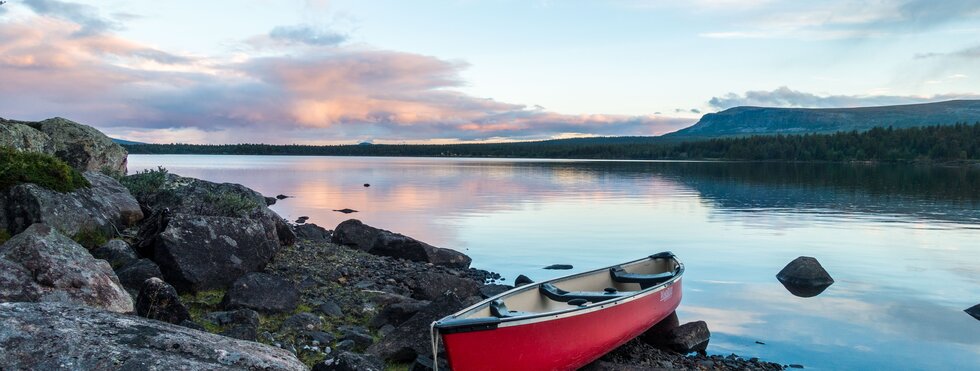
230	204
90	238
147	186
44	170
4	236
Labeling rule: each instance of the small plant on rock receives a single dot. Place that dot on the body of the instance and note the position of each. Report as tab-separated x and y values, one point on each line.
44	170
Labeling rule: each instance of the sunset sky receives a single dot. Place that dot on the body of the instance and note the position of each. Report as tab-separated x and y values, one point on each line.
324	72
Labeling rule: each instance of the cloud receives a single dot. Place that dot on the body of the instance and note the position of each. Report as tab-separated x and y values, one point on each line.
786	97
84	15
840	19
307	34
308	95
968	53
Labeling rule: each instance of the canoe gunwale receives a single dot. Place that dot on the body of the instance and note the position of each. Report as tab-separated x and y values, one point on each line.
452	324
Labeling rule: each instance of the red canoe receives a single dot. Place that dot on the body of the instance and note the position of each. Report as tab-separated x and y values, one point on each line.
564	323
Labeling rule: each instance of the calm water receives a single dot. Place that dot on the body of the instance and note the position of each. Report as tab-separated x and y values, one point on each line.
902	242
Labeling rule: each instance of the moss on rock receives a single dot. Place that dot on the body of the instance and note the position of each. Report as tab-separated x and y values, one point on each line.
44	170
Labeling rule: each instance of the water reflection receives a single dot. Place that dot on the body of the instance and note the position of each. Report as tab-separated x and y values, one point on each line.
901	241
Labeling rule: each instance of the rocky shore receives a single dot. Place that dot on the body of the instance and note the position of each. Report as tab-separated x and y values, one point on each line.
158	271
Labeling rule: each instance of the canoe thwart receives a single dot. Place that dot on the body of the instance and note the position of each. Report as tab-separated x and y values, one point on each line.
554	293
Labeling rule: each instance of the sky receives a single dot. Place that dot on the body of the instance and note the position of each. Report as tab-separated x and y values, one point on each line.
337	72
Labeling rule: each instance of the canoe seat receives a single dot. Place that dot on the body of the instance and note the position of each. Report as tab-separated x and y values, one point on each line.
554	293
645	280
499	309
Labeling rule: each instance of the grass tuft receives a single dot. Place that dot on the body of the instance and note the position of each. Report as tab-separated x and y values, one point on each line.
90	238
44	170
4	236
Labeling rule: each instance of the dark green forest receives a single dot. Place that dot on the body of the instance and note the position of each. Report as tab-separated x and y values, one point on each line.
928	143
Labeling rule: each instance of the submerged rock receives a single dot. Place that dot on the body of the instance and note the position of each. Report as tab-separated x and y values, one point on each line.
559	266
973	311
346	211
102	209
83	338
377	241
42	265
805	277
262	292
158	300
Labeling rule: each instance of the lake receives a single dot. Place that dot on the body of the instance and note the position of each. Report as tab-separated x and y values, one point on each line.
901	241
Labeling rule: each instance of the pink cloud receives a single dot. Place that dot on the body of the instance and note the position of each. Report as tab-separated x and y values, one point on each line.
315	93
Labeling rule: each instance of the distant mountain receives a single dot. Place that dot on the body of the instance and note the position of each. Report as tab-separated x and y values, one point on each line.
743	121
125	142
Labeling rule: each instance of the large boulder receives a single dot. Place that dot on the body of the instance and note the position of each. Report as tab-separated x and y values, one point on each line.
22	137
158	300
181	195
378	241
51	336
312	232
80	146
198	253
116	252
411	338
689	337
42	265
133	275
431	285
104	208
804	277
262	292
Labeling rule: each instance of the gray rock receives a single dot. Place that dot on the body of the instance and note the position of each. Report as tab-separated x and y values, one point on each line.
430	285
397	313
43	265
312	232
330	309
350	361
81	338
522	280
321	337
660	334
158	300
345	345
133	276
269	201
411	339
423	363
20	136
105	207
242	324
689	337
805	277
82	146
192	196
359	335
489	291
302	322
198	253
116	252
262	292
386	243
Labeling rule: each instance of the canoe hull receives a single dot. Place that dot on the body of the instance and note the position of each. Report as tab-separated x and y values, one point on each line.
562	342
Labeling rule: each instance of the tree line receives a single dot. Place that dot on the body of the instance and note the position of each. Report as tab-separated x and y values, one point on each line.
927	143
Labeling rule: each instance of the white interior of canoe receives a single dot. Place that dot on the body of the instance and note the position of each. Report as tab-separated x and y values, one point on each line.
530	300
